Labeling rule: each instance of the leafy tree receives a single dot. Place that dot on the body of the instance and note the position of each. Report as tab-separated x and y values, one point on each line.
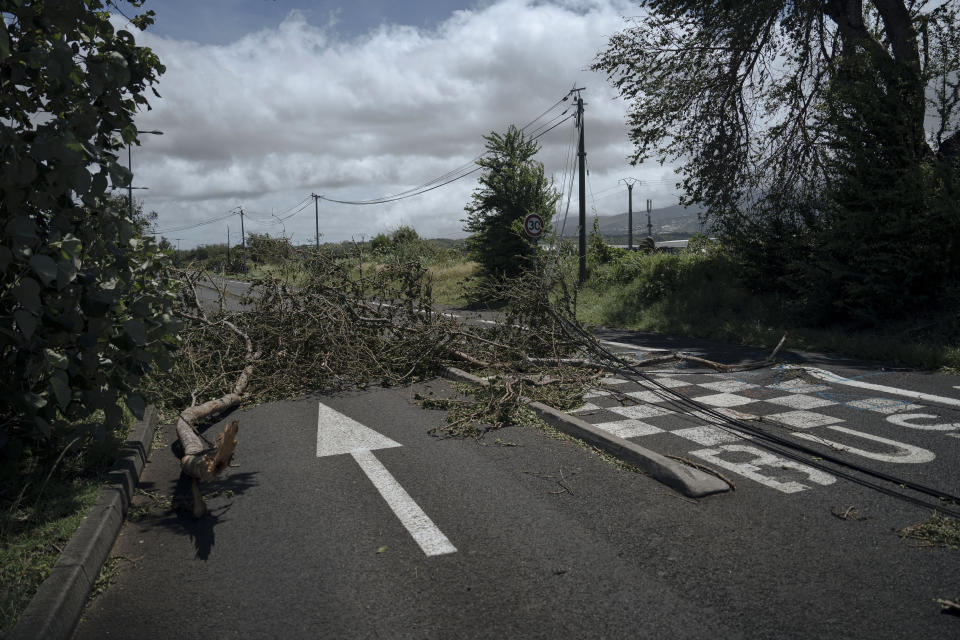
599	251
263	248
84	303
512	186
405	244
797	122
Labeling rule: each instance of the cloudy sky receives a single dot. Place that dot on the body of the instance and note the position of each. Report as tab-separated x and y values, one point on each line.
267	101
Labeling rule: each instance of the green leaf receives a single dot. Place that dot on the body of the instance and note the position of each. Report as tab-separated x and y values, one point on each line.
26	321
112	416
137	405
56	359
119	175
34	400
99	184
382	549
27	294
22	228
43	427
45	267
71	244
60	384
137	332
66	272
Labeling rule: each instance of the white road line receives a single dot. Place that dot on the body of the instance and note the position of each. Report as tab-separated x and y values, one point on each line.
421	527
837	379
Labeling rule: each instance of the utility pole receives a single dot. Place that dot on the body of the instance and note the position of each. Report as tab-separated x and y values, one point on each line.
649	224
582	155
243	241
228	248
130	185
316	216
178	249
629	182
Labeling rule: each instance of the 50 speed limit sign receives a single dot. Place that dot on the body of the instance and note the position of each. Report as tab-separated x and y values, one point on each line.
533	225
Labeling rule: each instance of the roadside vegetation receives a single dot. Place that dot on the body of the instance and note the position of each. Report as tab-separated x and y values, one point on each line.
701	292
85	297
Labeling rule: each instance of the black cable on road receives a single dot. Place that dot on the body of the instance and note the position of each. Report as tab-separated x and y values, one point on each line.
772	442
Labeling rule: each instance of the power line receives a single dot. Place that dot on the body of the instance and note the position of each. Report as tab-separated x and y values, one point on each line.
449	177
775	443
194	225
461	171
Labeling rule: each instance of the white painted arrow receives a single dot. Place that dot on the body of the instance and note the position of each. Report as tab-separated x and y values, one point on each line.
338	434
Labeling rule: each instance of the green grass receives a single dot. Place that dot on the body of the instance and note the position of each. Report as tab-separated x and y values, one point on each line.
33	536
701	296
41	505
448	280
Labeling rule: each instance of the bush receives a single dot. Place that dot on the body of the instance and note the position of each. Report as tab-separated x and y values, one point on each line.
84	299
404	244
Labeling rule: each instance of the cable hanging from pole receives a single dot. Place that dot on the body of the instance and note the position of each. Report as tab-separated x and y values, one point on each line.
465	169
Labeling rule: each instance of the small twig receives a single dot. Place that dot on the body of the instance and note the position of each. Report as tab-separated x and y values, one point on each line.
950	607
773	354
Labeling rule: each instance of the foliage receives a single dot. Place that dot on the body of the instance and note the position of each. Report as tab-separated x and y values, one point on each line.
512	186
39	515
704	295
262	248
83	298
938	531
801	125
336	331
700	243
598	251
404	244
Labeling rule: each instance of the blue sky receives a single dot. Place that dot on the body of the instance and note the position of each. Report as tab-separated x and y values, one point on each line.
265	102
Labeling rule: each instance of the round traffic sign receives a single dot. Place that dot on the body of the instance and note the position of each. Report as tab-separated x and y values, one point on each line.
533	225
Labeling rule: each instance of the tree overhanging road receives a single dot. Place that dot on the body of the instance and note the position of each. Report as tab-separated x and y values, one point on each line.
550	541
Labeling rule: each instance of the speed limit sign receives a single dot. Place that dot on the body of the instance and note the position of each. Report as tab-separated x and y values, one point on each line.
533	225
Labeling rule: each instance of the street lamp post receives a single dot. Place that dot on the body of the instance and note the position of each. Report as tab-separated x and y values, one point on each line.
130	169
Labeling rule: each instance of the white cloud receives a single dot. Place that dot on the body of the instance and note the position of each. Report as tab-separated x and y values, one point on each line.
266	120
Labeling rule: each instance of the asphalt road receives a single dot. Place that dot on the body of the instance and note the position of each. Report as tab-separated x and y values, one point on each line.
524	535
550	542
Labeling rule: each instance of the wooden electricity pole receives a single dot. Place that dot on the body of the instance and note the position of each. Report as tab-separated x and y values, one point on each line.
243	242
316	216
582	155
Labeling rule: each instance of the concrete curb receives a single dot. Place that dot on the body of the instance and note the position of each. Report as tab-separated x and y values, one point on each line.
56	607
687	480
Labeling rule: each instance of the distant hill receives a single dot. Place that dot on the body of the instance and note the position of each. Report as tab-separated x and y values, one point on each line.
671	220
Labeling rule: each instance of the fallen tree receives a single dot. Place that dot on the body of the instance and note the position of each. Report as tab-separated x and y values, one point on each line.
347	325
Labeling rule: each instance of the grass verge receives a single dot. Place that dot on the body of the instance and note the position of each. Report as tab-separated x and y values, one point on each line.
41	505
687	294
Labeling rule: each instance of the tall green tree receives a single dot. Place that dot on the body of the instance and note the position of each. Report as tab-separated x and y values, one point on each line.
778	113
84	301
512	186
